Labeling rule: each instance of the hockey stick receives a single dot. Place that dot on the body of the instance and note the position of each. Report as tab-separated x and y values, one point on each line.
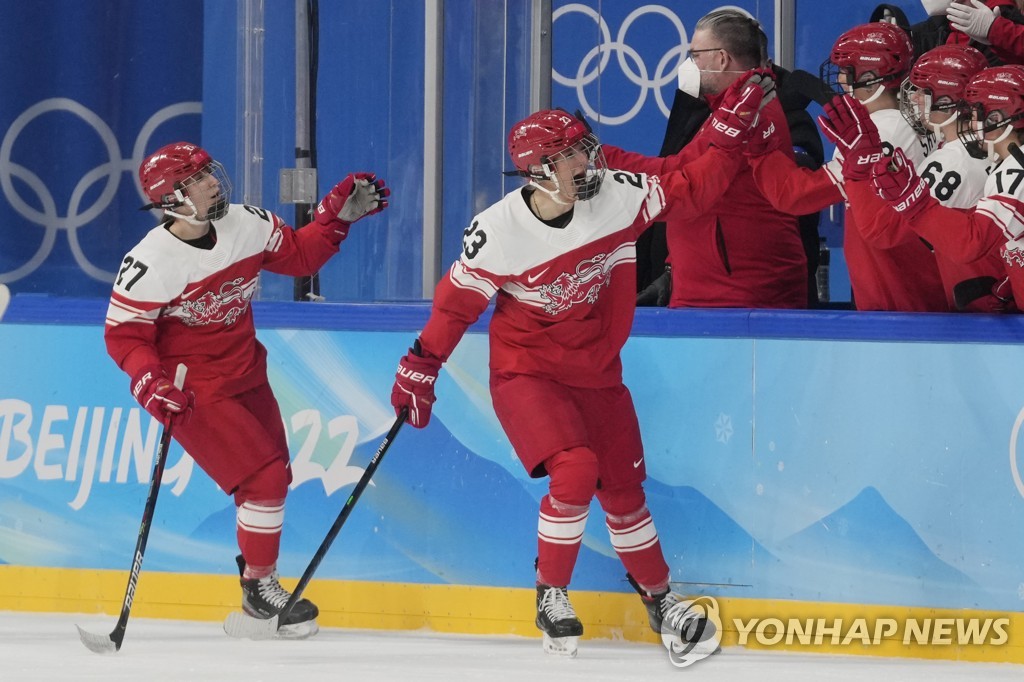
109	644
241	624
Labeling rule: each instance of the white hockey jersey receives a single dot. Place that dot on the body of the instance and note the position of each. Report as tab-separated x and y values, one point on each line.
565	296
175	302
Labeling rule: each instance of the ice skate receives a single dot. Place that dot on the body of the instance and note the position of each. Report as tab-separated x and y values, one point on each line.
668	615
557	620
264	598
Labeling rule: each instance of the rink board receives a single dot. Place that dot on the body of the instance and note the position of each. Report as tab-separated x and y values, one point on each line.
510	611
835	463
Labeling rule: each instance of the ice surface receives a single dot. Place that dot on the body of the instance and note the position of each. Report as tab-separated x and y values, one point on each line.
46	647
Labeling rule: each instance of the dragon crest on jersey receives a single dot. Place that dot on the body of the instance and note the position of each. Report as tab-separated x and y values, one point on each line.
582	286
224	307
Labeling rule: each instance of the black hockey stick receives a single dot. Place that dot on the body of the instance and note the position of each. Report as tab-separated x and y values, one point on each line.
109	644
241	624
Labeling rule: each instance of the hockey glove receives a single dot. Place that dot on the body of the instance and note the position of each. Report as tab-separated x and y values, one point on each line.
358	195
414	385
764	139
848	125
730	124
896	182
161	397
975	21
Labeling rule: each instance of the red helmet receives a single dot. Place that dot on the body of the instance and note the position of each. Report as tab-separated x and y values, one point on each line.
880	48
937	82
542	138
168	171
998	88
995	89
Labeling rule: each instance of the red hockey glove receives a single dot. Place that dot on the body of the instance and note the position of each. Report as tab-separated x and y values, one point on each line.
160	397
764	139
848	125
414	385
731	123
896	182
358	195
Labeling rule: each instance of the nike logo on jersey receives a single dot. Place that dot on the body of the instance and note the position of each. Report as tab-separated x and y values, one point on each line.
188	294
636	464
533	278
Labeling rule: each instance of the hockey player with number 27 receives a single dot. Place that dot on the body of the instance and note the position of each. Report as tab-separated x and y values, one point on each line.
560	254
182	295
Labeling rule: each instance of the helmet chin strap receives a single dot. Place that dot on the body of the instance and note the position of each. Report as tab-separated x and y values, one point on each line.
937	127
879	89
991	144
554	194
191	220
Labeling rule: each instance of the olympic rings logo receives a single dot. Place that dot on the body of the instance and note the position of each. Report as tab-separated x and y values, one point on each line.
629	60
47	215
1014	468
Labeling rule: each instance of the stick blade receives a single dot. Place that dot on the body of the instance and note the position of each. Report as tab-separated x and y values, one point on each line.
241	625
100	644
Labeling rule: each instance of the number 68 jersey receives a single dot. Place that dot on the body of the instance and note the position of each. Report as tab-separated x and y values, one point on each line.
174	301
994	225
565	295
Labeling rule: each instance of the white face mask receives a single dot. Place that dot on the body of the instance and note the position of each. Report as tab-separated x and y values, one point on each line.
936	7
689	77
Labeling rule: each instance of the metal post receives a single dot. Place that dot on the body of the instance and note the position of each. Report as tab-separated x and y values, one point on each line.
540	55
433	102
785	34
251	103
305	288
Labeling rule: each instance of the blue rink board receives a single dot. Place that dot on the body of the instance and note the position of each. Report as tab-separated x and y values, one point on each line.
872	470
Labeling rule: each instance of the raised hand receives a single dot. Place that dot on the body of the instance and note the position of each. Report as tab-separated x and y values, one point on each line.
160	397
975	19
357	196
764	138
896	181
848	125
732	121
414	385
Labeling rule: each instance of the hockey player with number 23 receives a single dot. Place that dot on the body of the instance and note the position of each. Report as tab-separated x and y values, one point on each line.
560	254
182	295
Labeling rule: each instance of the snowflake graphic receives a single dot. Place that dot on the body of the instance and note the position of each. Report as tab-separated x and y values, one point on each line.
723	428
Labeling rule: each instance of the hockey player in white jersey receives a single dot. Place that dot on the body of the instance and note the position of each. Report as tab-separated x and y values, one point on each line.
995	99
560	255
867	63
931	100
182	295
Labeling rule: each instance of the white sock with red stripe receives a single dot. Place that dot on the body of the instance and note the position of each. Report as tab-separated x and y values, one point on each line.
635	540
259	526
559	535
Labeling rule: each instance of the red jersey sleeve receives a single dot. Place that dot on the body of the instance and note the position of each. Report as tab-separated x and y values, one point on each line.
460	298
695	188
1007	40
878	223
297	252
792	189
962	236
132	344
649	165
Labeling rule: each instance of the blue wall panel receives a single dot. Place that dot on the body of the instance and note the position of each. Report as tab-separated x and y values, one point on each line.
89	88
831	458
